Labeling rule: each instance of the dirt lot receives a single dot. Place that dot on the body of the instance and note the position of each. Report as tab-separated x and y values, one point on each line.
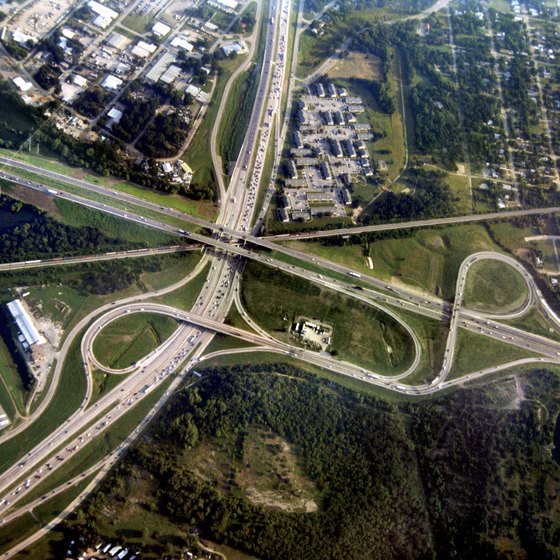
39	17
367	67
30	196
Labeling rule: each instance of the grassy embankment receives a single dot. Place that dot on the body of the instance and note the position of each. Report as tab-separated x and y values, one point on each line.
362	334
494	287
177	202
124	341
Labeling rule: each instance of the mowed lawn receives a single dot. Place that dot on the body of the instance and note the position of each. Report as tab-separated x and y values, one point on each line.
362	334
124	341
494	286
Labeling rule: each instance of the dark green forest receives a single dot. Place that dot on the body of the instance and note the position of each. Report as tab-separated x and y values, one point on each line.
468	475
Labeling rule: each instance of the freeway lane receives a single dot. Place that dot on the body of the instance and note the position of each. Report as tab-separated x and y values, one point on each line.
53	386
419	223
132	253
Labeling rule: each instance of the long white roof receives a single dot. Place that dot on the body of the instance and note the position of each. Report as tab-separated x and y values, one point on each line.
24	322
102	10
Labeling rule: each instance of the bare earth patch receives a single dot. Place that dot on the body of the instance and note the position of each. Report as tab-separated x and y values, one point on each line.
367	67
272	477
37	198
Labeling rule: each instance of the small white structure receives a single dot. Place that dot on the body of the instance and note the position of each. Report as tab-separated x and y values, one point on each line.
68	33
238	47
211	26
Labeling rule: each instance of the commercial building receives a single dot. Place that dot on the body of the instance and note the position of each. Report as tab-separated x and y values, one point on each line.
24	323
239	47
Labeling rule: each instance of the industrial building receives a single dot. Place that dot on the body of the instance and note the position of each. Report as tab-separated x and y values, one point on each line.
24	323
111	82
181	42
160	29
104	14
143	49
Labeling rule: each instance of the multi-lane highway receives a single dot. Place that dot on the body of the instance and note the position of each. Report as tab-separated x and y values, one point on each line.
229	246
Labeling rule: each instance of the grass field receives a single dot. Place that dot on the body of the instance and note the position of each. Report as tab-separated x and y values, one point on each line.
459	187
428	260
362	334
66	305
138	23
534	322
66	400
198	153
124	341
178	202
223	342
236	115
12	390
510	235
313	50
432	335
239	105
184	297
77	215
494	286
367	67
159	215
474	352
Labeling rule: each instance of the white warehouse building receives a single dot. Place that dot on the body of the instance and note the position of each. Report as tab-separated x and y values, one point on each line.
24	322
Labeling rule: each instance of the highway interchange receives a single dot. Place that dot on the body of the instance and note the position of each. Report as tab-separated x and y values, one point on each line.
231	243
